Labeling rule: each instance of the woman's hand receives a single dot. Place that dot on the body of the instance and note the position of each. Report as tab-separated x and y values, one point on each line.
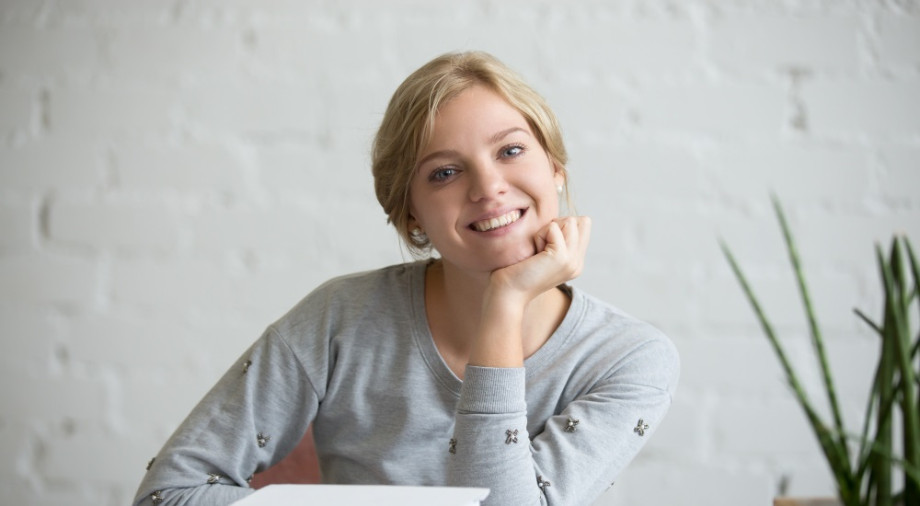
561	246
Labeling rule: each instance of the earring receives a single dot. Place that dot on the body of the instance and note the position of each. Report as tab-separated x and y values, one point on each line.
418	235
559	189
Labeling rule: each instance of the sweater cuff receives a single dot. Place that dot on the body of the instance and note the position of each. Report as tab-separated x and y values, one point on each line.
492	390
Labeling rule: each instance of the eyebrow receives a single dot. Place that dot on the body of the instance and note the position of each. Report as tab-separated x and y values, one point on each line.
505	133
496	137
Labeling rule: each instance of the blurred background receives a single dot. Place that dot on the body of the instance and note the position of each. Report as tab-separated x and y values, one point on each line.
176	174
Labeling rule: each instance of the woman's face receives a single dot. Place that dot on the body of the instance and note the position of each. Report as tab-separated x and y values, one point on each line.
483	185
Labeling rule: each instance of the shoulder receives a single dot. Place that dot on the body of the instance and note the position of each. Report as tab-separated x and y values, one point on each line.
363	293
629	346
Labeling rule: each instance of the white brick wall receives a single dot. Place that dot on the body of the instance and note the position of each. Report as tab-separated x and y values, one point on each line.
174	175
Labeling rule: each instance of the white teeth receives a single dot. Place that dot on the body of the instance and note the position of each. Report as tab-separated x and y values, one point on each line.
501	221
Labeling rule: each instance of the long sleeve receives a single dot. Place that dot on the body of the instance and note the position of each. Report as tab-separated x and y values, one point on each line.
580	450
256	413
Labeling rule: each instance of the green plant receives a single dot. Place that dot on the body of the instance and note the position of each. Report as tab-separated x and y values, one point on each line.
865	475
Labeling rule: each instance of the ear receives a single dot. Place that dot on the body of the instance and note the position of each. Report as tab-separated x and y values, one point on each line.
412	223
559	174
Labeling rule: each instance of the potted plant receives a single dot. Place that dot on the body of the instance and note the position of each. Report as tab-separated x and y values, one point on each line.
865	465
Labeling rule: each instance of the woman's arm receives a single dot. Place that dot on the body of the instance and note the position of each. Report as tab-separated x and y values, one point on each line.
561	247
256	413
491	439
579	452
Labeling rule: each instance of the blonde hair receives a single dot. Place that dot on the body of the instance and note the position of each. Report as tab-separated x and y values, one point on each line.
410	115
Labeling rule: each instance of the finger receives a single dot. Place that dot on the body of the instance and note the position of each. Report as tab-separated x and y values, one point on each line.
584	237
584	233
570	230
555	239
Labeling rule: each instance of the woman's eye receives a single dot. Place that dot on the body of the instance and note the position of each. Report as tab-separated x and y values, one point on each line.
512	151
442	174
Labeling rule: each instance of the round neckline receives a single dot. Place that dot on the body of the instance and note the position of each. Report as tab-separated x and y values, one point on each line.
433	358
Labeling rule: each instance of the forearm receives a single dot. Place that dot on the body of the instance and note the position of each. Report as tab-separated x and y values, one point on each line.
491	445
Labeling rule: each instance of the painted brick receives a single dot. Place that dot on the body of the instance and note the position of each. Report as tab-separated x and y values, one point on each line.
664	298
794	172
109	11
32	332
35	279
783	428
899	40
194	168
172	286
254	108
101	340
19	108
293	230
754	371
592	112
19	11
49	52
109	111
877	108
50	164
132	226
52	398
778	41
807	478
299	46
210	54
820	234
301	168
110	465
721	110
713	484
17	221
351	117
684	433
171	395
900	175
17	448
635	173
611	44
723	303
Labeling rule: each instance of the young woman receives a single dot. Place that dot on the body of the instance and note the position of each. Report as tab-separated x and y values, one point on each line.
478	367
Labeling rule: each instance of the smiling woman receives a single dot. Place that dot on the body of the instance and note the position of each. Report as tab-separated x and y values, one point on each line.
479	367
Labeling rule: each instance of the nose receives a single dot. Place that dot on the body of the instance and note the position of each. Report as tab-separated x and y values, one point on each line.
487	181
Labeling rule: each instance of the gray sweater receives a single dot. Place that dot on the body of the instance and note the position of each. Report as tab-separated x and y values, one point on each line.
356	359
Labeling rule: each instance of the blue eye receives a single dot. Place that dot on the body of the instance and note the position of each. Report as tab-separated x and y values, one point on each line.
442	174
512	151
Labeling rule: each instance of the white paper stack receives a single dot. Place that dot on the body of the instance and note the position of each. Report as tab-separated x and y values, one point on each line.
377	495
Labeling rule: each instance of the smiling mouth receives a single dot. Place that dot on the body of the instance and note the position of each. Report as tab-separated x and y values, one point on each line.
497	222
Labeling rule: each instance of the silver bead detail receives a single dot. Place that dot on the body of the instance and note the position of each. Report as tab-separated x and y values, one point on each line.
150	464
452	446
213	478
641	427
542	483
246	366
262	439
571	424
157	497
511	436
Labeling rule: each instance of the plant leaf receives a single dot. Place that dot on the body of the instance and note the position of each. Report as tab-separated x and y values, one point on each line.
814	329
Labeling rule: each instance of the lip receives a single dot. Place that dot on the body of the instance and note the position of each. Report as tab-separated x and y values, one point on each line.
495	213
